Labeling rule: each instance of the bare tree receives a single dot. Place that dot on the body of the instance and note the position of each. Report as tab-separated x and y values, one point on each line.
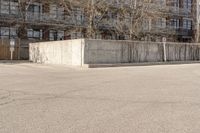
136	19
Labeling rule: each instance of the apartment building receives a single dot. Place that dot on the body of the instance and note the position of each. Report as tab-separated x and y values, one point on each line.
37	21
42	21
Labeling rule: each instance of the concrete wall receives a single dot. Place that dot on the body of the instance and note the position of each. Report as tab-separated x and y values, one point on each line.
84	51
57	52
104	51
101	51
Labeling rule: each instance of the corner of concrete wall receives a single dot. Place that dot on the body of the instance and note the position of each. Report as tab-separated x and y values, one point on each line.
30	57
83	51
78	52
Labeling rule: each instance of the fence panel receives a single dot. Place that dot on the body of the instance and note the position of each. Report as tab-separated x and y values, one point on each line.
5	49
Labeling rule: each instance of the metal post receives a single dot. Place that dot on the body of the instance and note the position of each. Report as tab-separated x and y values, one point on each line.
164	49
11	55
19	48
12	48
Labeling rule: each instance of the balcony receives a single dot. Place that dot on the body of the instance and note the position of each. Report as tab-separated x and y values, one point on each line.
168	10
9	16
48	18
42	19
184	32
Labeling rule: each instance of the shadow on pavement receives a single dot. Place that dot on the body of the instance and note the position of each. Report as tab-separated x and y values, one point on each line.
7	62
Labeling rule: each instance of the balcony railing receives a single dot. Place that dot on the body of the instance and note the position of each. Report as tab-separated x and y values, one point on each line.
44	18
184	32
67	20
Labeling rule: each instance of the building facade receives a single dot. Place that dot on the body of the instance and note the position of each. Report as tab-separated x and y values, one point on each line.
43	21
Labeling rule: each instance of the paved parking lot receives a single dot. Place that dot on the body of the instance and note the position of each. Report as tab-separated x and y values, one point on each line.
57	99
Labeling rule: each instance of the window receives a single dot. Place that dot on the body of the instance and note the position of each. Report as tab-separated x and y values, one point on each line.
162	2
187	5
57	12
5	31
5	7
161	23
34	33
77	16
14	7
76	35
60	35
175	3
146	23
9	7
98	36
187	24
34	8
34	11
52	35
56	35
174	23
8	32
13	32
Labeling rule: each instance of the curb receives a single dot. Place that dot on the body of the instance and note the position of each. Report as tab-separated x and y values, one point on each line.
139	64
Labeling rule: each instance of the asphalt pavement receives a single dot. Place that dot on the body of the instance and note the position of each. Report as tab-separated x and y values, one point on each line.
58	99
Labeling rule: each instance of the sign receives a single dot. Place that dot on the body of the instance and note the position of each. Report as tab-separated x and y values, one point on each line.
12	48
164	39
12	43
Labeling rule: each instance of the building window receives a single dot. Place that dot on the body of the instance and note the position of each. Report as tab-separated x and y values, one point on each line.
56	12
5	31
76	35
52	35
9	32
14	7
9	7
146	25
175	3
34	8
5	7
77	16
34	11
162	2
13	32
174	23
34	34
187	24
56	35
60	35
161	23
187	5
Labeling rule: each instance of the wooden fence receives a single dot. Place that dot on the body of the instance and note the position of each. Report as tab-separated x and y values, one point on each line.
5	49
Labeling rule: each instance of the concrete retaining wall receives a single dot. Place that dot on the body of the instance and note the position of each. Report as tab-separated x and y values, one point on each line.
84	51
57	52
121	52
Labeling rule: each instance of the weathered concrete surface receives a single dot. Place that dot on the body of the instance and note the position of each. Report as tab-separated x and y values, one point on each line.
57	99
109	51
57	52
84	51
